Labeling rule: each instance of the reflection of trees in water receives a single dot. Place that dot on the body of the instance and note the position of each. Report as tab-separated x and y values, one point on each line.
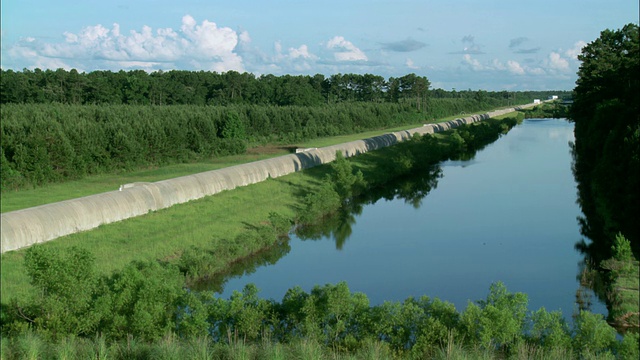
242	267
419	179
595	246
412	189
337	226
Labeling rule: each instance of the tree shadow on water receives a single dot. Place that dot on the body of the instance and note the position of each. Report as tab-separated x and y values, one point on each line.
339	225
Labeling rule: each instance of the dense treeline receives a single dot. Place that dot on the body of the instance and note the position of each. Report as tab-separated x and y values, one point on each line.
60	125
177	87
556	110
606	112
43	143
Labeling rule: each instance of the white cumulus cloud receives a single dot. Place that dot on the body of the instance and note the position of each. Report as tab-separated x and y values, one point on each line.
557	62
344	50
301	52
204	45
575	50
411	65
515	68
211	42
474	64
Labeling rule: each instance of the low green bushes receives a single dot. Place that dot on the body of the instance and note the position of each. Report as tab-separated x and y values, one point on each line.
145	308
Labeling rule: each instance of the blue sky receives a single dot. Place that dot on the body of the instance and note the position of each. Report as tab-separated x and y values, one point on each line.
457	44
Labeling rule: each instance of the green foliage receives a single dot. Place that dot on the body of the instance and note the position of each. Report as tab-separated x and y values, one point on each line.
280	223
196	262
178	87
499	320
550	330
607	130
247	315
143	300
68	291
592	335
629	347
457	142
44	143
606	162
622	284
10	178
346	182
232	127
158	319
621	249
319	204
104	122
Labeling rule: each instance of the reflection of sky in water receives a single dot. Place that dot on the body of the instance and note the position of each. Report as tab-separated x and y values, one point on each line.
509	217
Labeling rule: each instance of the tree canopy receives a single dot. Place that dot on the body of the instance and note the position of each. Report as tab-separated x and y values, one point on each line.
606	112
181	87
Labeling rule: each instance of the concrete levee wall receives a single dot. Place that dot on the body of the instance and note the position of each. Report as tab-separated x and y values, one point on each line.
43	223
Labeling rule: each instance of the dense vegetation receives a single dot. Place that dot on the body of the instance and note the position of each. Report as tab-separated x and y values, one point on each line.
44	143
145	311
137	87
606	112
61	125
555	109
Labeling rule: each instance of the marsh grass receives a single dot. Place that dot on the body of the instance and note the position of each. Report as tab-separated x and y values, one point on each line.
30	346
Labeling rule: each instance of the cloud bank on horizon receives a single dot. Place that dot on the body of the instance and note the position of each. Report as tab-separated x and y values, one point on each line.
451	44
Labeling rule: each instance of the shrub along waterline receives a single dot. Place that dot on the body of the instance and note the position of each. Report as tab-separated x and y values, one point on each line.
146	304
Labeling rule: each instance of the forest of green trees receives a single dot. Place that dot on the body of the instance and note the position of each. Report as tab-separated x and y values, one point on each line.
59	125
178	87
606	112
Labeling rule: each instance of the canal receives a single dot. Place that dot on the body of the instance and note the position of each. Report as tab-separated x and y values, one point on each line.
509	214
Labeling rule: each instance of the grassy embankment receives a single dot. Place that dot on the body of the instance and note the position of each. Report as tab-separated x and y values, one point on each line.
16	200
625	290
207	223
623	285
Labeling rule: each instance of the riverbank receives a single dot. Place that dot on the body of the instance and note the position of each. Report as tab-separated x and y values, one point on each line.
622	279
48	222
208	223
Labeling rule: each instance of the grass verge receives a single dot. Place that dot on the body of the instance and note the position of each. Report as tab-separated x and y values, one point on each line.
22	199
624	293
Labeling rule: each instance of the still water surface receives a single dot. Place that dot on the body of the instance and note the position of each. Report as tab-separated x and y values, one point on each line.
507	215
